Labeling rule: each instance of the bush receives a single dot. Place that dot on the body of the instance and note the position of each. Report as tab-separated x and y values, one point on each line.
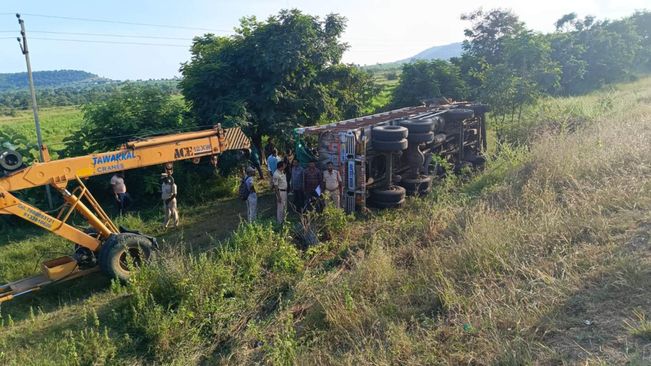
186	306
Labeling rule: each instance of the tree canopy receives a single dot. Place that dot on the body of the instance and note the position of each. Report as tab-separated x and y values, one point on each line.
274	75
425	80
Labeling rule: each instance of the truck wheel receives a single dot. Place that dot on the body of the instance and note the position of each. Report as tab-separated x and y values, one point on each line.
390	146
419	138
418	125
392	194
121	252
389	133
389	204
459	114
420	185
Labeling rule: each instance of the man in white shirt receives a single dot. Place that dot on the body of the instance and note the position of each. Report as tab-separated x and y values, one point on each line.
332	184
252	199
280	187
168	195
272	164
120	191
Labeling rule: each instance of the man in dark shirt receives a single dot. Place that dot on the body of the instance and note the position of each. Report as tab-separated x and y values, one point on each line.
312	178
296	186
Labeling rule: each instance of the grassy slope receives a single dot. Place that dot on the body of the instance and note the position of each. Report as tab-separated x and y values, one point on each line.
545	258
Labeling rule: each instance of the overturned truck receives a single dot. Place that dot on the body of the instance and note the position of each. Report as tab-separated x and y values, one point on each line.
386	156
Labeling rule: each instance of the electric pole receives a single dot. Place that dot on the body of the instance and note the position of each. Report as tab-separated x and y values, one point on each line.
39	138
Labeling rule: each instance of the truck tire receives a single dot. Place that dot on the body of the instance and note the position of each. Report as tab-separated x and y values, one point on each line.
120	251
390	146
414	186
392	194
420	138
418	125
389	133
389	204
10	160
459	114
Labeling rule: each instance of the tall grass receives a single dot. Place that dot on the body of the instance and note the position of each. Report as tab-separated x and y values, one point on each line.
543	258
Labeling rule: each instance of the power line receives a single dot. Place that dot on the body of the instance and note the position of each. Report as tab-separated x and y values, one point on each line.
110	42
108	35
127	23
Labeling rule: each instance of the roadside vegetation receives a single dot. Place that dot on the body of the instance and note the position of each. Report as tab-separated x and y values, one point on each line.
540	258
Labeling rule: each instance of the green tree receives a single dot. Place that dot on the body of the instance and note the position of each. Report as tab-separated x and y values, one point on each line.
127	113
487	32
274	75
423	80
642	23
513	65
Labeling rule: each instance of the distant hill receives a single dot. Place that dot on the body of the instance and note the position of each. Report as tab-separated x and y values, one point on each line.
49	79
444	52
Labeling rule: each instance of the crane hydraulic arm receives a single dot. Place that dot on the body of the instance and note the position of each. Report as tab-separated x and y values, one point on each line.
103	246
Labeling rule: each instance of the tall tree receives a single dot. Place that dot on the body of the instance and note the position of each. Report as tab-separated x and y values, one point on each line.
423	80
274	75
487	31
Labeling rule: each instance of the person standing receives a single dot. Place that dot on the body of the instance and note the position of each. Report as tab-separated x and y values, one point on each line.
312	178
272	164
280	187
252	199
168	195
332	184
297	185
120	191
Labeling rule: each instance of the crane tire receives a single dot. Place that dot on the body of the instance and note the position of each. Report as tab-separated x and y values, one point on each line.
390	146
10	160
389	133
121	251
418	125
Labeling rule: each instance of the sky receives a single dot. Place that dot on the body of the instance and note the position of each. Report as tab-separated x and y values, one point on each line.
377	31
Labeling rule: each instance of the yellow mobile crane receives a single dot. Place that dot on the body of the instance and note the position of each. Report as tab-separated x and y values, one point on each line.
104	247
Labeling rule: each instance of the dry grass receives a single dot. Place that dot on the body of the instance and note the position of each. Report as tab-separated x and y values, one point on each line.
542	259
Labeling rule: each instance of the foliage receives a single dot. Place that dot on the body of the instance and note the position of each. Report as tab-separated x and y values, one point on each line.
67	94
549	235
131	112
275	75
426	80
488	30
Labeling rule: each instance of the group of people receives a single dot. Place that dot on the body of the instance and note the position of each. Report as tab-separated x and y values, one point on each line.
306	186
168	196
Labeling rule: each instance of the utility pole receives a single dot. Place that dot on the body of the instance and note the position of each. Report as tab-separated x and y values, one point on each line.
39	138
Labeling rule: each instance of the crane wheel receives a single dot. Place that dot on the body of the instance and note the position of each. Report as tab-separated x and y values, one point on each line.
10	160
122	253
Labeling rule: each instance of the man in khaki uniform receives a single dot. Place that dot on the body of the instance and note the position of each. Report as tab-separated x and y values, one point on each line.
280	187
168	195
332	184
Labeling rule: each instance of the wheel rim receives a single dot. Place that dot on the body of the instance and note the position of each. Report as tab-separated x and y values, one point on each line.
129	258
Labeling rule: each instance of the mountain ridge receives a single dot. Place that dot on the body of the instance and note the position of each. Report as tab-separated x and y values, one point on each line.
49	79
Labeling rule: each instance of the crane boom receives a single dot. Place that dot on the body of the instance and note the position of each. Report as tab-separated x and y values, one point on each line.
105	245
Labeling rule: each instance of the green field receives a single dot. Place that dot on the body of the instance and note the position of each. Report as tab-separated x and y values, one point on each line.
56	124
542	258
